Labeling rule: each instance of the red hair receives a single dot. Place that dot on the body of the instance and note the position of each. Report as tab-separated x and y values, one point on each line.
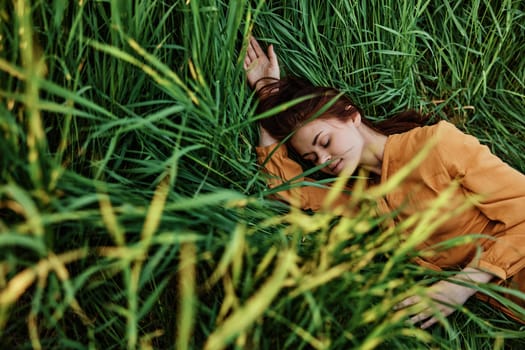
327	102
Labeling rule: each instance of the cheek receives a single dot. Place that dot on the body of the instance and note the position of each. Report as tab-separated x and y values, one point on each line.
293	141
342	146
296	145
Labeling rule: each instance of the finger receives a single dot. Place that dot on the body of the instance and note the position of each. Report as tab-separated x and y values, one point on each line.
247	62
247	58
429	323
250	53
256	47
420	317
407	302
272	56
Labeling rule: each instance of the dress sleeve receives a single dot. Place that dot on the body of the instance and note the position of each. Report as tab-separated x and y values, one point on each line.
502	191
300	191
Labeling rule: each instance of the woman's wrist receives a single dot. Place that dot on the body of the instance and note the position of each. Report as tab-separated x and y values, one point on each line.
461	292
470	274
264	81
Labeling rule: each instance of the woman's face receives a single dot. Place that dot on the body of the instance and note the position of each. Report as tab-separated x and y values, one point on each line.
330	141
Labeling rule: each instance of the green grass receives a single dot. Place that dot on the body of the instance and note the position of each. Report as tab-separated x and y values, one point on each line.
133	214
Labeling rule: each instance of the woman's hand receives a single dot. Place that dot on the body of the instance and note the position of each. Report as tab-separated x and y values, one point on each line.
447	296
259	65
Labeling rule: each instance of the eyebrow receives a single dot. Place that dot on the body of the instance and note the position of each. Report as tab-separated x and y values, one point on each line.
313	143
315	138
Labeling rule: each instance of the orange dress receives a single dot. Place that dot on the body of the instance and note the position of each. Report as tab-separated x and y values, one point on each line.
499	213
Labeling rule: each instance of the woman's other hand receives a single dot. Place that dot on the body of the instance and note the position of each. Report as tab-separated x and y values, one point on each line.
259	65
446	296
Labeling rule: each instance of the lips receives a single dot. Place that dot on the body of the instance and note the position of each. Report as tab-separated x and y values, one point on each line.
336	166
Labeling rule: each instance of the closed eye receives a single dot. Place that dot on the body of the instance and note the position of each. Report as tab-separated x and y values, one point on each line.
326	144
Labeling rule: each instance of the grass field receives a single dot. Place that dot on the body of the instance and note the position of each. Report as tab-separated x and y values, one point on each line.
133	213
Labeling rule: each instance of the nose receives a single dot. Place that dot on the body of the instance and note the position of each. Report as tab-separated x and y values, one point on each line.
323	158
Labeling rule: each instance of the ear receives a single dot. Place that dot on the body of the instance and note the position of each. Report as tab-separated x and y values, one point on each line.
357	119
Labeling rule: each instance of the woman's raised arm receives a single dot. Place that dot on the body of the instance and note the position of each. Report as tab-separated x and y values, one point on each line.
261	69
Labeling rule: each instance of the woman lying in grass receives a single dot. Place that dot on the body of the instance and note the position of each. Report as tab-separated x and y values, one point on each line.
341	139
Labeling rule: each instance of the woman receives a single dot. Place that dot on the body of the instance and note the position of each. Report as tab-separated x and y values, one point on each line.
328	129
